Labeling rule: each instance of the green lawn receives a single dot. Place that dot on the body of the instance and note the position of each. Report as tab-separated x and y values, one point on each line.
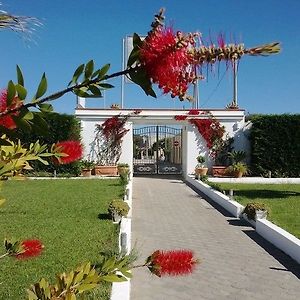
282	200
68	216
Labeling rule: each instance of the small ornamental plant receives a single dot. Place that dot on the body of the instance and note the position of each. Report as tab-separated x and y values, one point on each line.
201	161
87	164
251	209
118	207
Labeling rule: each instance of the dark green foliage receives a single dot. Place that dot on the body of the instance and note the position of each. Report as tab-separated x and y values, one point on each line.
61	127
275	142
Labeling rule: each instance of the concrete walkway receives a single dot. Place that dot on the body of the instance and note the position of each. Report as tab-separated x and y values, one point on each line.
236	262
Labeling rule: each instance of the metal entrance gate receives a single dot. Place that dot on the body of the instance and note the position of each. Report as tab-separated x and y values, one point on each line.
157	150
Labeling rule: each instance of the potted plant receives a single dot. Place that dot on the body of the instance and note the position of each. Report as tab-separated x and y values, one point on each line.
123	168
200	168
108	142
86	168
118	209
255	210
221	157
237	168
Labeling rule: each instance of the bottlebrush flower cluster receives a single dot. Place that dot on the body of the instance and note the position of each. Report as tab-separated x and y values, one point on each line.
73	149
31	248
7	120
172	263
167	61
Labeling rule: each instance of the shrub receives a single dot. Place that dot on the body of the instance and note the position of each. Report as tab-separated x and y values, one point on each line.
251	208
119	207
275	143
62	127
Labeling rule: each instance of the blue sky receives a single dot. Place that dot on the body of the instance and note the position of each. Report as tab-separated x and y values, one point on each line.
77	31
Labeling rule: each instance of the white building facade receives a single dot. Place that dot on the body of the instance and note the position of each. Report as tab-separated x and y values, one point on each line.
192	143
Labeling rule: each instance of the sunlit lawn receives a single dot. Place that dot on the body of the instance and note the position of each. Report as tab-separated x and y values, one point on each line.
282	200
64	215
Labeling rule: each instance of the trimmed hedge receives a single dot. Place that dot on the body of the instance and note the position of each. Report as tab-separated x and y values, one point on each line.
61	127
275	145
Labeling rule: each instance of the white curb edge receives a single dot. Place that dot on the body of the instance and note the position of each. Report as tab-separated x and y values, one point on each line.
121	290
277	236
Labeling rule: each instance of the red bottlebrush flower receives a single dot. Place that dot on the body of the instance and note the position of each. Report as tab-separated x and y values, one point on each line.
73	149
180	118
7	120
31	248
194	112
167	61
221	40
173	263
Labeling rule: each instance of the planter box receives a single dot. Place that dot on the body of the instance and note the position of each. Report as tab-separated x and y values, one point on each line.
106	170
86	172
201	171
219	171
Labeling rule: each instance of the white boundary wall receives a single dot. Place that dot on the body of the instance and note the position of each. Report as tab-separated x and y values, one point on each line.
193	143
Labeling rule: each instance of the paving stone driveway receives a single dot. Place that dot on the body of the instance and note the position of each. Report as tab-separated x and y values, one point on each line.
236	262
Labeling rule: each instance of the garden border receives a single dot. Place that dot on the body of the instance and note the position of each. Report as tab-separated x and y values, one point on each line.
121	290
277	236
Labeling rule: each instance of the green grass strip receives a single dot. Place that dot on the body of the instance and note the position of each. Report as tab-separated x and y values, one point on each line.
68	216
282	201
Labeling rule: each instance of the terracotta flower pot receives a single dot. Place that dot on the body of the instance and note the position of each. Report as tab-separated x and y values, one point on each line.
219	171
106	170
201	171
86	172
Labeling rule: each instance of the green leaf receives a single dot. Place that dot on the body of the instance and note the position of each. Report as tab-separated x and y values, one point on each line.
31	295
137	42
45	107
28	116
20	76
77	74
140	77
39	124
135	53
87	287
106	85
95	90
114	278
133	57
103	71
42	87
11	92
23	124
22	92
89	69
45	163
81	93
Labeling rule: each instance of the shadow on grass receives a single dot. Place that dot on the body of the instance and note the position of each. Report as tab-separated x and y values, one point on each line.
105	216
289	264
266	194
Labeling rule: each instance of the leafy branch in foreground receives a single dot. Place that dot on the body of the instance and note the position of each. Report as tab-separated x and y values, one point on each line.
112	268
